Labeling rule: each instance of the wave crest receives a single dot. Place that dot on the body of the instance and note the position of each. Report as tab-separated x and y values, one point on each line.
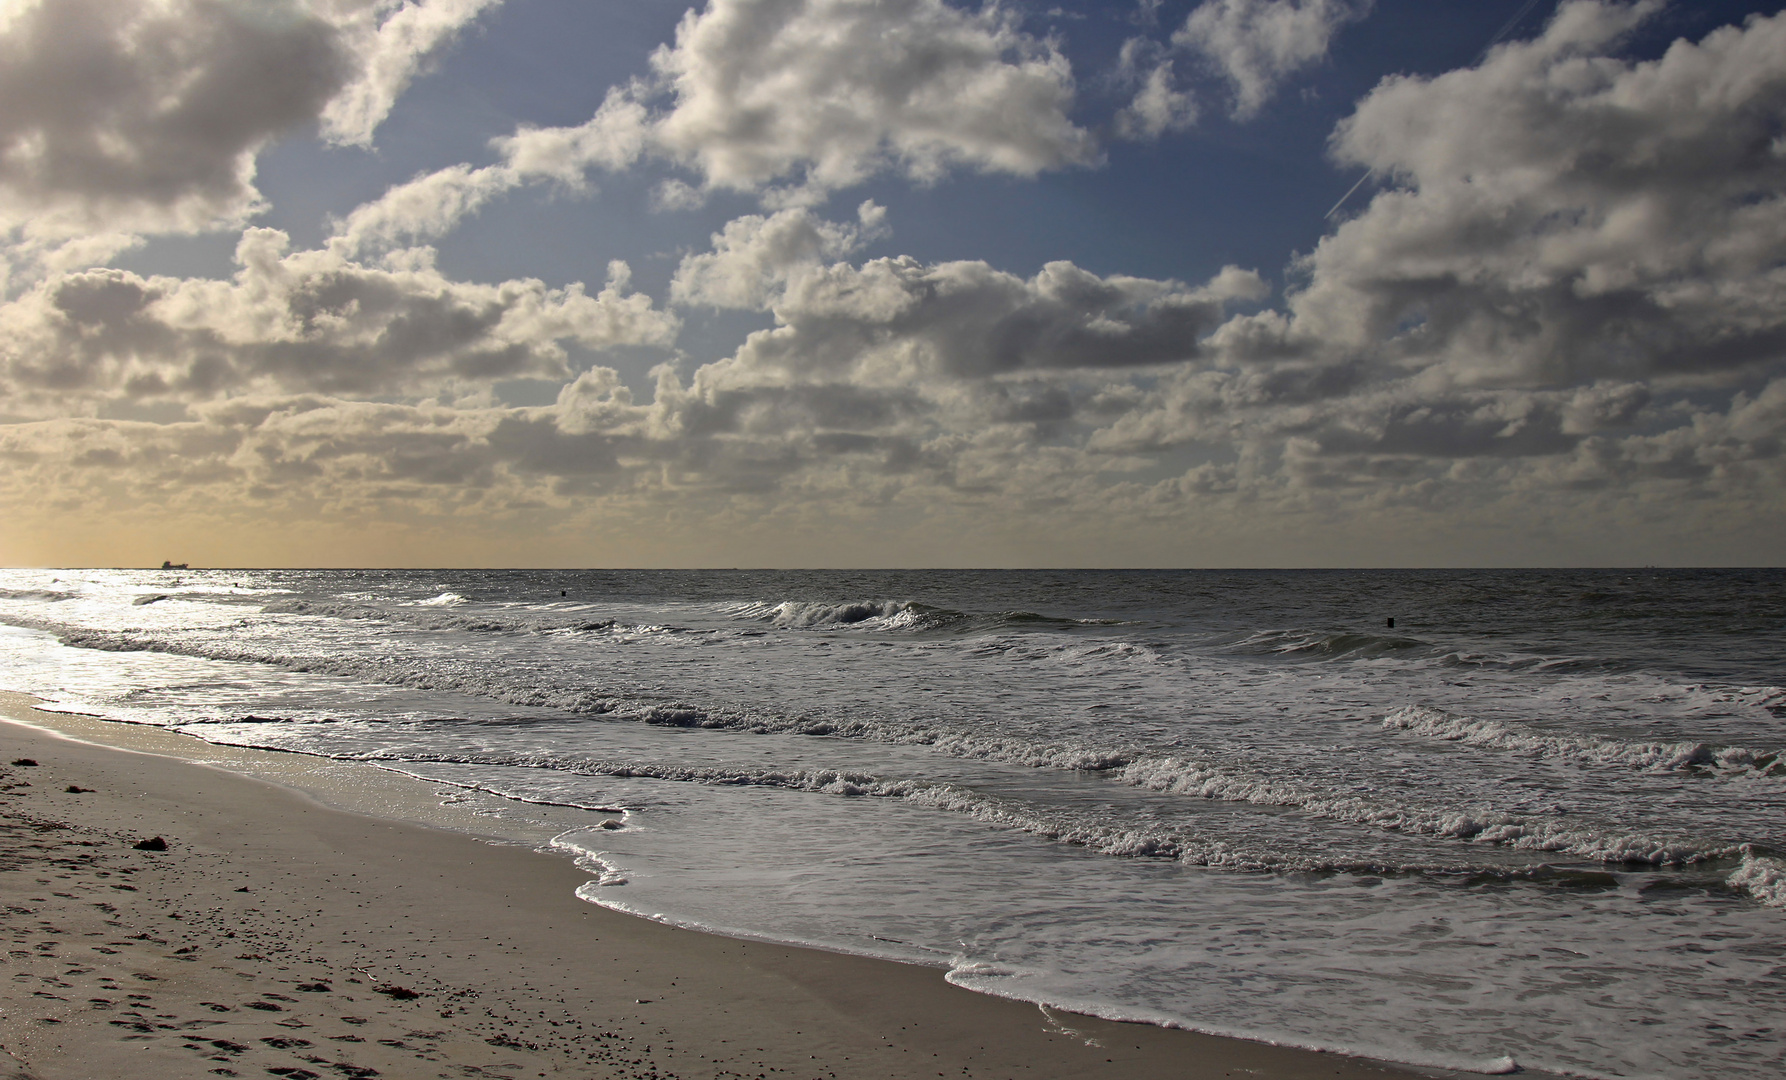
805	615
445	599
1762	878
1343	645
1518	832
1586	749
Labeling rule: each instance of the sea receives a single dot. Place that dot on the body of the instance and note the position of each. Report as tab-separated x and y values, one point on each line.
1480	820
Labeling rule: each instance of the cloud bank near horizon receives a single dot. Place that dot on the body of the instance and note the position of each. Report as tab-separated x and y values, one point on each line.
1562	308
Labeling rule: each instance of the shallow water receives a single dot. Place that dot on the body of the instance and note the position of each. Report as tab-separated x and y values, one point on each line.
1543	817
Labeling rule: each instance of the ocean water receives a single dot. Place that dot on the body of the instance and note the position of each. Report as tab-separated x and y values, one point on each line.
1540	822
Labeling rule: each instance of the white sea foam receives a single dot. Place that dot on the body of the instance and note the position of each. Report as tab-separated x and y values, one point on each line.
1762	878
1022	984
445	599
428	615
1587	749
1326	645
991	809
1485	825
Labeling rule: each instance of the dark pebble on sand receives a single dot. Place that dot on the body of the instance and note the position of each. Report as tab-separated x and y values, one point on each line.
153	844
76	789
30	762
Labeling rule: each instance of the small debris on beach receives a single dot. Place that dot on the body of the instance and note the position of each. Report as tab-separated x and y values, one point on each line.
152	844
76	789
400	993
28	762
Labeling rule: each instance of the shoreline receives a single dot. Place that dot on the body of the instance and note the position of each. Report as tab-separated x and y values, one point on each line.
273	933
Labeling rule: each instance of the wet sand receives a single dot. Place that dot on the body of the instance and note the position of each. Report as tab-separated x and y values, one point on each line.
277	936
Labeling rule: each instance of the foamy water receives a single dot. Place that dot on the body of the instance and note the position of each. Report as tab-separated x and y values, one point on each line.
1541	821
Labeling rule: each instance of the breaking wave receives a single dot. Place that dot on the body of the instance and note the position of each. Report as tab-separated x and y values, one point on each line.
1762	878
51	595
802	615
1087	830
426	615
1316	645
1519	832
894	615
1585	749
445	599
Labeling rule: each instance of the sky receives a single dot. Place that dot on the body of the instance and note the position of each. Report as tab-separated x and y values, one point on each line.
892	283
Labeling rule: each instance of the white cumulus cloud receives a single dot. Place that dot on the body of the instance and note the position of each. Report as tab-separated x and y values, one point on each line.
299	321
1557	215
754	257
146	115
1257	44
824	93
390	41
1159	104
433	204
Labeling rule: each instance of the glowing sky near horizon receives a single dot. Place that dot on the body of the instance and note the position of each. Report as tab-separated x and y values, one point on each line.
892	282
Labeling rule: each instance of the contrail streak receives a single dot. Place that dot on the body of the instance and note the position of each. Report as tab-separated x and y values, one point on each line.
1368	174
1506	28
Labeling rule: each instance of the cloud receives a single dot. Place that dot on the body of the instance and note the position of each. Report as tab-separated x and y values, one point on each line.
433	204
1572	282
146	115
895	319
754	257
1252	45
389	40
1158	106
790	99
127	118
1557	215
824	93
300	321
1257	44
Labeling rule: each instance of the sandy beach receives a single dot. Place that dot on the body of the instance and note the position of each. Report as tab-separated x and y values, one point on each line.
277	936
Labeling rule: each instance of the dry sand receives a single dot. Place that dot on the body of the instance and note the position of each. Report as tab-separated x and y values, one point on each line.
276	936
